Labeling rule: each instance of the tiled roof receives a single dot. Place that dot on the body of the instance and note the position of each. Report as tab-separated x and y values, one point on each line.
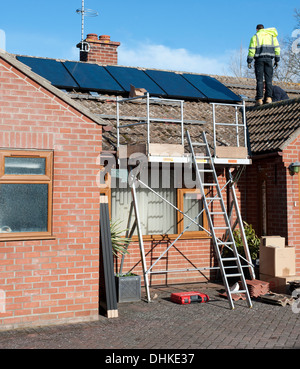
197	115
269	126
272	126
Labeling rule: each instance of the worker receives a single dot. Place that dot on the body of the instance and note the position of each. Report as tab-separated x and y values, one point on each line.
264	48
278	94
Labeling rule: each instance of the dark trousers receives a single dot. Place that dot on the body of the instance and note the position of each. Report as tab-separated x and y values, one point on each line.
263	69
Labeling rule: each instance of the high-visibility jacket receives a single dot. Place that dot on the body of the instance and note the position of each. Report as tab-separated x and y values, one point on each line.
264	44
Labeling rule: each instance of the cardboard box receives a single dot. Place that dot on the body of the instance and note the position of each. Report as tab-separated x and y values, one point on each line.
134	91
277	241
277	261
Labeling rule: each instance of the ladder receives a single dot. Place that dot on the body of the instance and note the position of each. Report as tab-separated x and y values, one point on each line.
207	200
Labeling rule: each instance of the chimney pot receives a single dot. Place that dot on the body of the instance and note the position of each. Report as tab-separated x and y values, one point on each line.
101	50
92	36
104	38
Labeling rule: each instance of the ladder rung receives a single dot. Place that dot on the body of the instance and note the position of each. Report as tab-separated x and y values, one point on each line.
233	275
198	143
209	184
217	213
221	227
229	259
205	170
213	198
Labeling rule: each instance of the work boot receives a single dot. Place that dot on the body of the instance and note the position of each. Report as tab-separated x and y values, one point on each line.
259	102
268	100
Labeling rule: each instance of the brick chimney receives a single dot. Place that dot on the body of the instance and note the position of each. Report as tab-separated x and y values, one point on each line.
99	50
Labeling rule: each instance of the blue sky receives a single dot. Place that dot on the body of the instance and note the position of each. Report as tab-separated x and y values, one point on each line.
191	35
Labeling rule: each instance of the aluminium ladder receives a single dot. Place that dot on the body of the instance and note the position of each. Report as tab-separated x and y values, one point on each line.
208	199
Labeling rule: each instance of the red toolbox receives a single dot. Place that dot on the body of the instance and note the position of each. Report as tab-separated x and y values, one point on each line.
189	297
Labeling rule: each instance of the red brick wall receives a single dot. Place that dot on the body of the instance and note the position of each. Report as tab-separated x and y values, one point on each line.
52	281
185	254
273	172
282	193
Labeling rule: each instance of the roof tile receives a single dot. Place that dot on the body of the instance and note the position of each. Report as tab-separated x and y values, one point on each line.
271	125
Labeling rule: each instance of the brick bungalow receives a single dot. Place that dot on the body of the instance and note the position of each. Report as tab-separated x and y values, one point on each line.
52	276
49	240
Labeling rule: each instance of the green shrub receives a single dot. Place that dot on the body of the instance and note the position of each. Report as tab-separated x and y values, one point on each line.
252	240
119	242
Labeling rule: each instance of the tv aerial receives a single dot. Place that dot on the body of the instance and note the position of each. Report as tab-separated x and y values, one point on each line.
84	46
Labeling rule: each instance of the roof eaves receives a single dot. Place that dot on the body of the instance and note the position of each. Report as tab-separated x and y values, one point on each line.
10	59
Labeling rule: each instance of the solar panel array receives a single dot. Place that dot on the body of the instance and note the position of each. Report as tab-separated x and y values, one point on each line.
116	79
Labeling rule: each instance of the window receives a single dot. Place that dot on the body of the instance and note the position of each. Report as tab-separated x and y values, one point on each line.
25	194
189	203
158	218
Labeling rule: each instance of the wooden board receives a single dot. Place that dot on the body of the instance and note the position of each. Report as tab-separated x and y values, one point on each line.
107	285
126	150
166	150
163	150
231	152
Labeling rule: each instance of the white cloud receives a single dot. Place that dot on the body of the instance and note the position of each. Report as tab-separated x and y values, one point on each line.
72	54
162	57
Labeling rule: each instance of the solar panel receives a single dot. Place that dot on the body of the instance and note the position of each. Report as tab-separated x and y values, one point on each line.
92	77
211	87
174	84
127	76
117	79
50	69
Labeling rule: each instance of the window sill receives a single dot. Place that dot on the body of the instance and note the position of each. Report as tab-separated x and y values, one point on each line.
26	238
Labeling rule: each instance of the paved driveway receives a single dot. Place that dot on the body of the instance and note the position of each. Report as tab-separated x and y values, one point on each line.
165	325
